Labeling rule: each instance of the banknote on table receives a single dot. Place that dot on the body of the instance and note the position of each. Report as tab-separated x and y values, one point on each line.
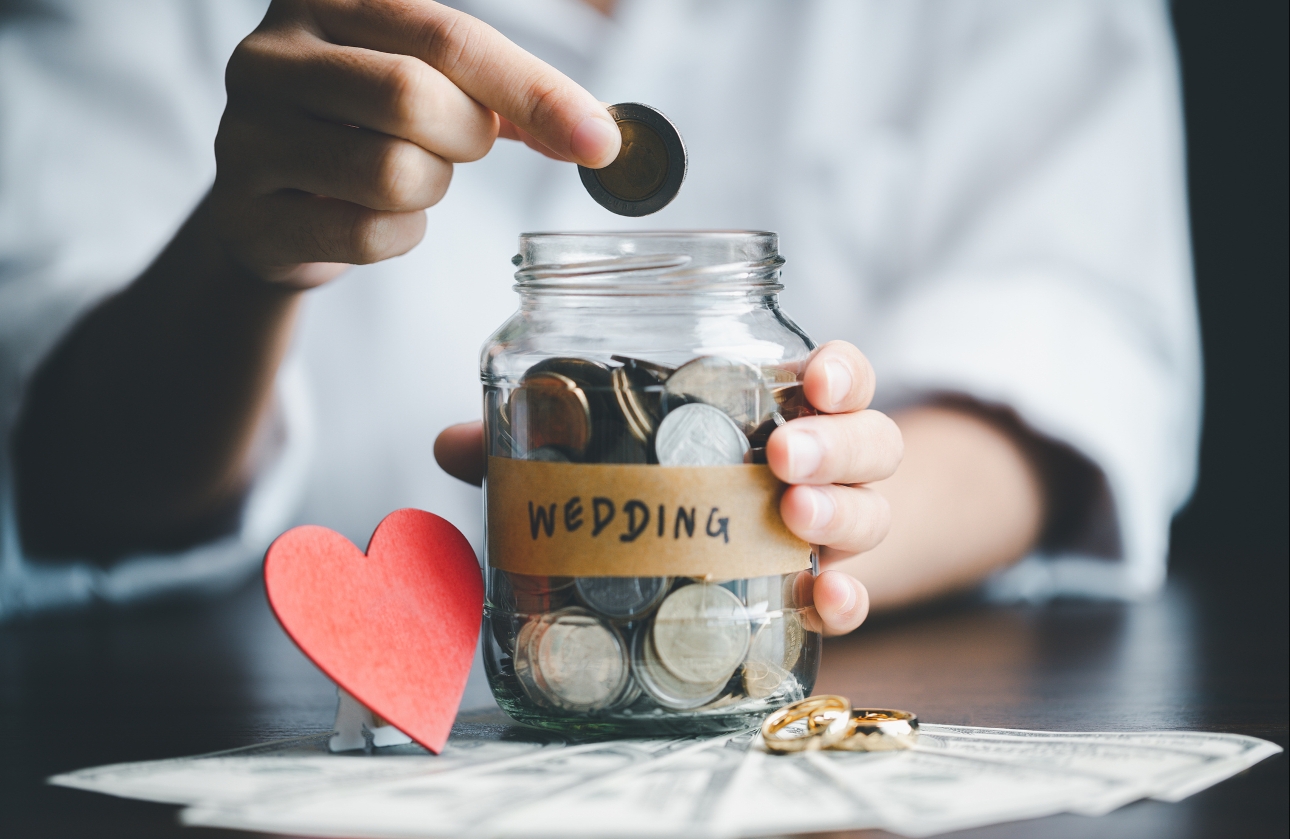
458	803
500	780
280	768
1186	761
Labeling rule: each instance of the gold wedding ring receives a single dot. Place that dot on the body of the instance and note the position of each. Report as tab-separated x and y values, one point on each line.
827	720
878	730
831	723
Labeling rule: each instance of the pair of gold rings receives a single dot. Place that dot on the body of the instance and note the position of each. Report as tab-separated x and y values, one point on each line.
829	722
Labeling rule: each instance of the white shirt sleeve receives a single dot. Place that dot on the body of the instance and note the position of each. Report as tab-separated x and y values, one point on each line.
1052	271
107	111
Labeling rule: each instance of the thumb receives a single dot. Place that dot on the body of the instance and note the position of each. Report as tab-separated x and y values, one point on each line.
459	449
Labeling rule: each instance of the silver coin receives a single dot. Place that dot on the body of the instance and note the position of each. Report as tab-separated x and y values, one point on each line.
699	435
662	685
701	633
630	694
582	663
526	661
778	640
622	598
762	679
737	388
649	169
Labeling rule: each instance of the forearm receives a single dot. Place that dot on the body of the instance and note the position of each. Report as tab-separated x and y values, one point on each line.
136	431
967	500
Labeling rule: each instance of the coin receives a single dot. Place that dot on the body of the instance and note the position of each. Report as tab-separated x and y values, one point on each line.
549	409
701	633
778	640
792	402
762	679
699	435
630	694
595	381
548	454
526	662
630	401
653	372
737	388
586	373
662	685
582	663
622	598
649	169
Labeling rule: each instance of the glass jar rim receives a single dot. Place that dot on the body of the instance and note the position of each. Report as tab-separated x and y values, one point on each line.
648	262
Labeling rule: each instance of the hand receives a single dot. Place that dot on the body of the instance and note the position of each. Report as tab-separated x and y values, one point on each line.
829	459
344	119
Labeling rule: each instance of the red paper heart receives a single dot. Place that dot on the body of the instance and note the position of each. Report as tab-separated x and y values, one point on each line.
397	626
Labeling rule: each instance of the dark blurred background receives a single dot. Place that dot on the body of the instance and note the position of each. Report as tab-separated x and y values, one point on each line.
1234	62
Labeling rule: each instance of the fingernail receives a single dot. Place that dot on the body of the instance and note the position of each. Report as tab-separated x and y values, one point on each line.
822	507
595	141
850	603
838	377
804	454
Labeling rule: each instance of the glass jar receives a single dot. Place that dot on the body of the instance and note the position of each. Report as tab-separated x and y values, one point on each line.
639	577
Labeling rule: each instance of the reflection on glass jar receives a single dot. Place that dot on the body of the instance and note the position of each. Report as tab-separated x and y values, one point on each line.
639	578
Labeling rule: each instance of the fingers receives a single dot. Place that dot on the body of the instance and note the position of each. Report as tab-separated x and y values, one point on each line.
364	167
510	131
849	519
838	379
393	94
841	449
459	449
839	602
489	68
288	228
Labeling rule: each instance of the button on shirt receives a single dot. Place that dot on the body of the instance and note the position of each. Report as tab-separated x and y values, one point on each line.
986	197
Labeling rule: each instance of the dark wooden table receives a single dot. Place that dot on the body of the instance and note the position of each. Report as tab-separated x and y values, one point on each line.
1210	654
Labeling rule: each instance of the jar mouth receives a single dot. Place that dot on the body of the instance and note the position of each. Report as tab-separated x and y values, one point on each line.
648	262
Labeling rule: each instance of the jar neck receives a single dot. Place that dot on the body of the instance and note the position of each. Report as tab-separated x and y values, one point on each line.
649	268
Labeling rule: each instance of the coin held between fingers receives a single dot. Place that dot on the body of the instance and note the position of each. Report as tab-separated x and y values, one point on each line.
650	166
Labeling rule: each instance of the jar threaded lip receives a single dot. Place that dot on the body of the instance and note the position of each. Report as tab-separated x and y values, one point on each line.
649	262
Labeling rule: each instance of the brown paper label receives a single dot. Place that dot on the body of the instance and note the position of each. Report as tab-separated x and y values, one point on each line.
618	520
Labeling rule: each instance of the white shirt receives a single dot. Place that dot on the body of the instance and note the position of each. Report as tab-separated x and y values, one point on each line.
986	197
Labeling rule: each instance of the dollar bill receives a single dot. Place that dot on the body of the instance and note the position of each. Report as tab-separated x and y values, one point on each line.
1203	758
497	780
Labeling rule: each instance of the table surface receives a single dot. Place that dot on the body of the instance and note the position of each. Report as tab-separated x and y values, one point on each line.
182	680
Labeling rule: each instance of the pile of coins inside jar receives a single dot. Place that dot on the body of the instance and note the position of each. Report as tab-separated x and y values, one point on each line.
632	645
710	411
592	644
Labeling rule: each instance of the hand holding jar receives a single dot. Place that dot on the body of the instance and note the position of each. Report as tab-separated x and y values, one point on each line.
829	459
